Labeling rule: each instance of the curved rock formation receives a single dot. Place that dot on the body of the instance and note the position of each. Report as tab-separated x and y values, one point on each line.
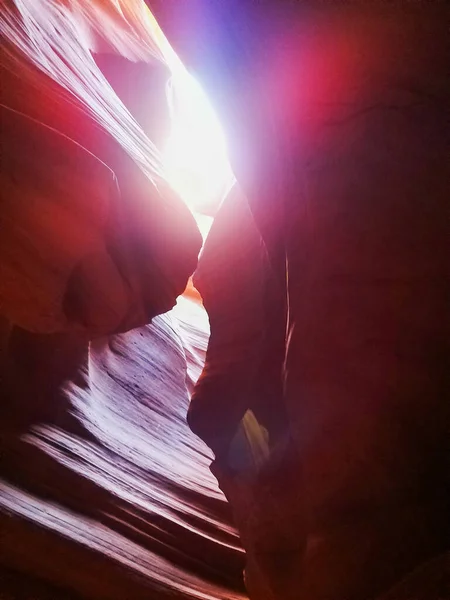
325	391
102	243
104	491
338	124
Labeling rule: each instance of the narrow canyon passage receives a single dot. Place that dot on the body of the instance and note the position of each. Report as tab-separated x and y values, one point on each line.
224	269
105	491
109	479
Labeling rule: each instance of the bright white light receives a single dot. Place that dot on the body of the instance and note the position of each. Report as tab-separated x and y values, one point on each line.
195	156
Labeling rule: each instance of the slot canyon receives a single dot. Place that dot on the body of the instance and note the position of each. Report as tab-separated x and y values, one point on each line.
225	300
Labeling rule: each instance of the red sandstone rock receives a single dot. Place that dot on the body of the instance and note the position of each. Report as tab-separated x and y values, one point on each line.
93	502
338	134
338	131
92	236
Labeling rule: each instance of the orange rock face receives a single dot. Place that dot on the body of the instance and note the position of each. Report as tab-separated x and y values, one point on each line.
94	238
93	244
323	393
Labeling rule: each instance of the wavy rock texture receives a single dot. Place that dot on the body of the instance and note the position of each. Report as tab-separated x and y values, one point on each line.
324	395
94	238
104	490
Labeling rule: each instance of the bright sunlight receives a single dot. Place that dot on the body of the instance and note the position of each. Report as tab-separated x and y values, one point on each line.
196	155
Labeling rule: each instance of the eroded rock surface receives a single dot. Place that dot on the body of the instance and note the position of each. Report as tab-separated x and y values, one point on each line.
338	124
325	391
104	490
